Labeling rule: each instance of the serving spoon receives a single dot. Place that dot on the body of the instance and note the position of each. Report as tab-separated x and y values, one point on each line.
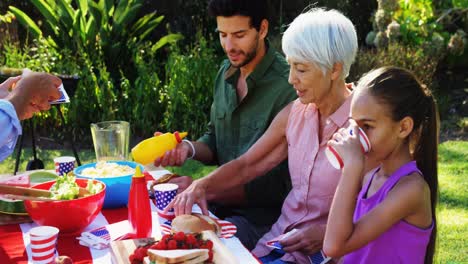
24	193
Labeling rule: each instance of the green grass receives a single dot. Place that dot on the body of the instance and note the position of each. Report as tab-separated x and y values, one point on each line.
453	203
453	200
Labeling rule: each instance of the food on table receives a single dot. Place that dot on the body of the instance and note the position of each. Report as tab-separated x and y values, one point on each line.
65	188
41	176
107	169
63	260
16	206
12	206
178	256
194	223
174	242
18	180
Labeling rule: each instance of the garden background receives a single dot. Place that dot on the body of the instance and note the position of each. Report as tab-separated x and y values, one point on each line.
152	63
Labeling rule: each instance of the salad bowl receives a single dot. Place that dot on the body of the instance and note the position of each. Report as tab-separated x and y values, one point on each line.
69	216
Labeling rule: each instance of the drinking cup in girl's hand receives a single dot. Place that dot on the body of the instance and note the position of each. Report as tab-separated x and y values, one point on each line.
334	157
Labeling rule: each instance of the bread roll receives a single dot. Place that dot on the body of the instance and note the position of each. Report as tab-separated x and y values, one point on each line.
194	224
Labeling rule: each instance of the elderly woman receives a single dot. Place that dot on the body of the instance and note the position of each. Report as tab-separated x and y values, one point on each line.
320	47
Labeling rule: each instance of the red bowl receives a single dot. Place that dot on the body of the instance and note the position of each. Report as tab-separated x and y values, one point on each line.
69	216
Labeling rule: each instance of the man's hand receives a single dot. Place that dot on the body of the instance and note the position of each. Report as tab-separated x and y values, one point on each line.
33	92
174	157
183	182
8	85
307	240
194	194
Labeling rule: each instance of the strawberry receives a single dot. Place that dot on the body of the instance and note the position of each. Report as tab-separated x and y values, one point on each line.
179	236
191	240
166	237
172	244
140	253
209	244
131	258
162	245
210	255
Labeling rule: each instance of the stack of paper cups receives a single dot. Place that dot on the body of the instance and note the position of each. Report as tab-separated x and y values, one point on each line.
334	157
43	243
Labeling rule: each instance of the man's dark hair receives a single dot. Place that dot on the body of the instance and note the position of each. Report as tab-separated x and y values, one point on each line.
255	9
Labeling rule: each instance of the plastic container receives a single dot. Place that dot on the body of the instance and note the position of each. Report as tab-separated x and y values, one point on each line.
117	187
139	211
152	148
334	157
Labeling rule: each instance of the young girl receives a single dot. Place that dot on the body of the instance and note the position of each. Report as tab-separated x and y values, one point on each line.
387	215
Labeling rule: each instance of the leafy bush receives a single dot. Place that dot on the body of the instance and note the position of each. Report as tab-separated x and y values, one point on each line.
189	87
413	59
95	27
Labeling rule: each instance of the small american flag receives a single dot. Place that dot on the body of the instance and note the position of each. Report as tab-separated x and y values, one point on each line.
101	232
98	238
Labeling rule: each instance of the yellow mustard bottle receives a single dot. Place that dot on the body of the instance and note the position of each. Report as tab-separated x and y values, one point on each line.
150	149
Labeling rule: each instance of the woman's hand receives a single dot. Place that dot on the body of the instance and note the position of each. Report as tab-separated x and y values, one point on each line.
307	240
194	194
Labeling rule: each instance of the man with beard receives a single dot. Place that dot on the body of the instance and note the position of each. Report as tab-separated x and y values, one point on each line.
251	87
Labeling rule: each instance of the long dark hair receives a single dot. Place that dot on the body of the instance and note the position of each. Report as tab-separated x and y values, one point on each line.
405	96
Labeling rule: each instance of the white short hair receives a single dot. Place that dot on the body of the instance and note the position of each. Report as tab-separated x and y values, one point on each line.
323	38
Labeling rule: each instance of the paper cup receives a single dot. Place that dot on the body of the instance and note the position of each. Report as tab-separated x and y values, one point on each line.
164	193
43	241
64	165
334	157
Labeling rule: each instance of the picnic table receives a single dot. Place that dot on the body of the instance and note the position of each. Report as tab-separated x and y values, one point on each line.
15	245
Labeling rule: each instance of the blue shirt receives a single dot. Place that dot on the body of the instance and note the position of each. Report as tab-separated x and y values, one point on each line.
10	129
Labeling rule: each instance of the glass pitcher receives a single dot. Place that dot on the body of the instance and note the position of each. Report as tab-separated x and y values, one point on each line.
110	139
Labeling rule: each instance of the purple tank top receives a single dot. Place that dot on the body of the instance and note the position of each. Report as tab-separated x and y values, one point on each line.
403	242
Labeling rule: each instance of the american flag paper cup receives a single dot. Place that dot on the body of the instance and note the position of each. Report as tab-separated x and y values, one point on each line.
43	243
64	165
164	193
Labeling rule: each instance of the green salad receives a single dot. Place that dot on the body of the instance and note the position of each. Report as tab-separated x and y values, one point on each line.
65	188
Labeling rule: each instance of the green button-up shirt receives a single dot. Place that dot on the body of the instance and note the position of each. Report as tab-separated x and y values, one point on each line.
235	126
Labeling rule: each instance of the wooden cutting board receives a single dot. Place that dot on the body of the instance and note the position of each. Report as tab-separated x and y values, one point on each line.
121	250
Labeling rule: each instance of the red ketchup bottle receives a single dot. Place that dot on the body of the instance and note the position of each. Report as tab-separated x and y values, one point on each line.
139	211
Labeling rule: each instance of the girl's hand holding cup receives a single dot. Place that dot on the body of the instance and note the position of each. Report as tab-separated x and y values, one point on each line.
348	146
